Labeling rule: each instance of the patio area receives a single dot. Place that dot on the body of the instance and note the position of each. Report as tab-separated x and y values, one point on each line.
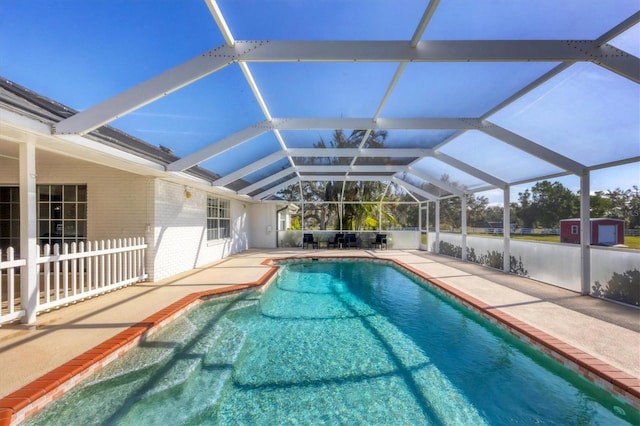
601	330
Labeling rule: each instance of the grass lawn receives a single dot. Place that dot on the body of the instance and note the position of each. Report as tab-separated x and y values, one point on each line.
630	241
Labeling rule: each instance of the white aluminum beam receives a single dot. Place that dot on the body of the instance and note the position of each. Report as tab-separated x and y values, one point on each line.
343	178
532	148
332	51
619	62
499	183
437	182
424	21
411	188
266	181
231	177
217	148
424	51
355	169
379	124
359	152
618	29
256	91
392	85
220	21
276	188
147	92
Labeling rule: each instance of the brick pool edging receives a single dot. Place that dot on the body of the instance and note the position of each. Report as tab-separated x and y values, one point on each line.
33	397
603	374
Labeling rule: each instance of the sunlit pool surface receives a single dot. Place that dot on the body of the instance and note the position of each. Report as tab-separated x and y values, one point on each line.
335	343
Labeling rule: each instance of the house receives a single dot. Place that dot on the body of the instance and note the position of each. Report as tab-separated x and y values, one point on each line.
114	186
604	231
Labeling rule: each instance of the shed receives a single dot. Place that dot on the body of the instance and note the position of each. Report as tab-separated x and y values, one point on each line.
604	231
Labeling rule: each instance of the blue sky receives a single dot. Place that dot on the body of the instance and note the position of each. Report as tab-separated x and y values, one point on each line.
81	52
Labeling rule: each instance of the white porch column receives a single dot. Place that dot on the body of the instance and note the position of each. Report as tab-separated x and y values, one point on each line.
463	216
437	241
506	229
28	249
585	232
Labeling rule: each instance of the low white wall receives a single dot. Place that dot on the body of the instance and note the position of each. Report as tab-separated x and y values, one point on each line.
607	260
402	240
553	263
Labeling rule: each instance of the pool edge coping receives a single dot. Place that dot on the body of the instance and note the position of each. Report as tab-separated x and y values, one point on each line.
25	402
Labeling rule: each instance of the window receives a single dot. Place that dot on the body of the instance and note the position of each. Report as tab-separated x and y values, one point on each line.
218	218
574	230
62	213
10	218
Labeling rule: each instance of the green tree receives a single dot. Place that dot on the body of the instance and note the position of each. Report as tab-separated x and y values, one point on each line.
600	204
546	204
352	195
526	210
625	204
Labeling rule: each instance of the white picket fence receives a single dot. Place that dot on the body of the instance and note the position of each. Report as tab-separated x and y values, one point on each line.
72	272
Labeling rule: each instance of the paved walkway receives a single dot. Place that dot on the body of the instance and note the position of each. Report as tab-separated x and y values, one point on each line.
607	331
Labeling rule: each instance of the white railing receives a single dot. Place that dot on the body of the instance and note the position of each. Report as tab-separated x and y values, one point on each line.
72	272
8	294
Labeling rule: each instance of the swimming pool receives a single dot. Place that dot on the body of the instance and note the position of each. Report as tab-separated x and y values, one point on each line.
335	343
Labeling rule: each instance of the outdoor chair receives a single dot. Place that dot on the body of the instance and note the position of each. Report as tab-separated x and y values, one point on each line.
338	239
381	240
350	240
308	239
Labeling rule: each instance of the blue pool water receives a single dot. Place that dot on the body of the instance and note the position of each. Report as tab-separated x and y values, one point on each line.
335	343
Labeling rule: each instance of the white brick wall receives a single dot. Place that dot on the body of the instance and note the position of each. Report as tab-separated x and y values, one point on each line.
122	204
180	231
116	200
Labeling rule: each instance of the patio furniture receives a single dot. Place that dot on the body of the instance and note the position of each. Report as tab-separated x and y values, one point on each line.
308	239
350	240
381	240
337	242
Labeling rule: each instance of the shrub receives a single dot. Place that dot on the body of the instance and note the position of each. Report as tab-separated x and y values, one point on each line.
623	287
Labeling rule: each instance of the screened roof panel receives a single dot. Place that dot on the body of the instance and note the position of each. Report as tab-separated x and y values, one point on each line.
586	113
484	92
384	161
458	89
271	185
321	20
95	50
197	115
318	161
416	138
319	89
381	173
306	138
244	154
267	171
439	170
539	20
328	173
502	160
629	41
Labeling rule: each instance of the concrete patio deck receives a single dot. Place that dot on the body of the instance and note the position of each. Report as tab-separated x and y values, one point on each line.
606	331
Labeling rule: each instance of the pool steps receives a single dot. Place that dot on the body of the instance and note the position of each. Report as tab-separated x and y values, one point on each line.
25	402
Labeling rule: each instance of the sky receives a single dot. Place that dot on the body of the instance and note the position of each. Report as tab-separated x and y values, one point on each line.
81	52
